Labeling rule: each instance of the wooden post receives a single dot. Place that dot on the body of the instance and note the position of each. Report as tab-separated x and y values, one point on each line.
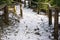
29	3
38	9
14	9
56	24
6	19
50	16
49	13
24	3
21	14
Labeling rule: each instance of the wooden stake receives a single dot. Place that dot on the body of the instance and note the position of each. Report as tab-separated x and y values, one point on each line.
56	24
50	16
6	20
29	3
21	14
38	9
24	3
14	9
49	13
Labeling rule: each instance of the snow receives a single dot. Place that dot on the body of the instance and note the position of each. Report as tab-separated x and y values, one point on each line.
1	12
30	25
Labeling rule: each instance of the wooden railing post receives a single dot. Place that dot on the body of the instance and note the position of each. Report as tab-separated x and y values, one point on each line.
21	14
50	16
29	3
49	13
14	9
24	3
56	24
38	10
6	19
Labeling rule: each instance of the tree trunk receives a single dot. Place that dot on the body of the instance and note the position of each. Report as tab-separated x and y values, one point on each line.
6	19
56	24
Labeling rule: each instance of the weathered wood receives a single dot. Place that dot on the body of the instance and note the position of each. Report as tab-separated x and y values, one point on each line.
56	24
29	3
21	14
14	9
6	20
50	16
20	1
24	3
38	10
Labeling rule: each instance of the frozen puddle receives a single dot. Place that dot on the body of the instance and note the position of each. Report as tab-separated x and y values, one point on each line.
31	27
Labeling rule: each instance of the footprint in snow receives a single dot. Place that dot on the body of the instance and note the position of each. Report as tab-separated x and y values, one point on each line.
36	29
37	33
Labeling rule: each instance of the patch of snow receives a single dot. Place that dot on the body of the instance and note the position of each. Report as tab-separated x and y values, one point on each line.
1	12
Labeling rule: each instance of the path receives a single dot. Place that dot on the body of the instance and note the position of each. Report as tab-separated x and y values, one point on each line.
31	27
